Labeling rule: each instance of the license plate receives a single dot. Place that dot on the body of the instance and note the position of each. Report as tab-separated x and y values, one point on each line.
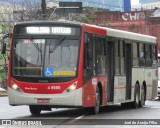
42	100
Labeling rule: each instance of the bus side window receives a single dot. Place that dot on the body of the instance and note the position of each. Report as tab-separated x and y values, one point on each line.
141	55
153	56
153	52
135	54
148	55
100	55
88	52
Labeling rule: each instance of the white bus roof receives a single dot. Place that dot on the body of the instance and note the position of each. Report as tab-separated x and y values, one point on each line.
128	35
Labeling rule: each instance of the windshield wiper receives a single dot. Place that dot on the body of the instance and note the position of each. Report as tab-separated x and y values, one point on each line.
51	50
38	49
35	45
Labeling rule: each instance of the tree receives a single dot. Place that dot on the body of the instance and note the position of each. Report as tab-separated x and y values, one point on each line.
87	16
6	26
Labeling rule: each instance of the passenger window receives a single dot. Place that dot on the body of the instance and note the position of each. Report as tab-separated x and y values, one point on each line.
153	56
148	55
100	55
153	49
135	54
141	55
148	51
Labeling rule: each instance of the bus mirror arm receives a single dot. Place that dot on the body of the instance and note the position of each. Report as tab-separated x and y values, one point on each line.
3	48
3	45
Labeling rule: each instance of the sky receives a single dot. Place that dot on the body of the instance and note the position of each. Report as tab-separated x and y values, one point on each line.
134	2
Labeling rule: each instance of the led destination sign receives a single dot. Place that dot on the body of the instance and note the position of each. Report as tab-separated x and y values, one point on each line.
55	30
48	30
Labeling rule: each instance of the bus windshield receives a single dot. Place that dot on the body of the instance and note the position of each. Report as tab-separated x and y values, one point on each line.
55	57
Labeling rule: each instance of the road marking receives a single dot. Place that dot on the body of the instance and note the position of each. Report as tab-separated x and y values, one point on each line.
80	117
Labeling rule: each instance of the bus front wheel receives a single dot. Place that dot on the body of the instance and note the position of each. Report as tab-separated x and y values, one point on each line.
35	110
96	107
97	102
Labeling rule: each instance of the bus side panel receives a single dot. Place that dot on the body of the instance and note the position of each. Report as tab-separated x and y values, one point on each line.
102	84
135	77
148	78
119	89
154	83
89	91
88	94
145	75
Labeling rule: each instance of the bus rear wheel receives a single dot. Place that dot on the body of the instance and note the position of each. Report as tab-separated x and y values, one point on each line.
142	102
35	110
136	97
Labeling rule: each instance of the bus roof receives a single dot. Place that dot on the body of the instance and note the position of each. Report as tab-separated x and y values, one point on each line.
109	31
131	35
127	35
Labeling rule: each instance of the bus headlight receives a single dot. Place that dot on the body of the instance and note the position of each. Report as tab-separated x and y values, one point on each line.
15	87
72	87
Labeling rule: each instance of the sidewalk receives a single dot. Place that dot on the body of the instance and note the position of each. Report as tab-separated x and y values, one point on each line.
3	92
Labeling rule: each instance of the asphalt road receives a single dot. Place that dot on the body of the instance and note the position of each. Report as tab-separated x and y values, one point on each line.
148	116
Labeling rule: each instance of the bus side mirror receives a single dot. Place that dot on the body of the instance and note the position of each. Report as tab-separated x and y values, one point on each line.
3	45
3	48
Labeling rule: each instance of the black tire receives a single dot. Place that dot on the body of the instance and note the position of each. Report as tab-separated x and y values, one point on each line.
96	108
136	96
35	110
142	101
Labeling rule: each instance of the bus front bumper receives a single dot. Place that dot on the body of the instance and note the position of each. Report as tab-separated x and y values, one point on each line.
73	98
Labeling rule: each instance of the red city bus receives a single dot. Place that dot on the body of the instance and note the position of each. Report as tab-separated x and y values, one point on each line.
68	64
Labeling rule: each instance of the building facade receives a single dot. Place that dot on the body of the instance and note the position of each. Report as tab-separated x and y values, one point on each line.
150	5
112	5
147	1
143	22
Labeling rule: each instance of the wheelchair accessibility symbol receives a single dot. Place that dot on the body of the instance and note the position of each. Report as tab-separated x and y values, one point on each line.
48	71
